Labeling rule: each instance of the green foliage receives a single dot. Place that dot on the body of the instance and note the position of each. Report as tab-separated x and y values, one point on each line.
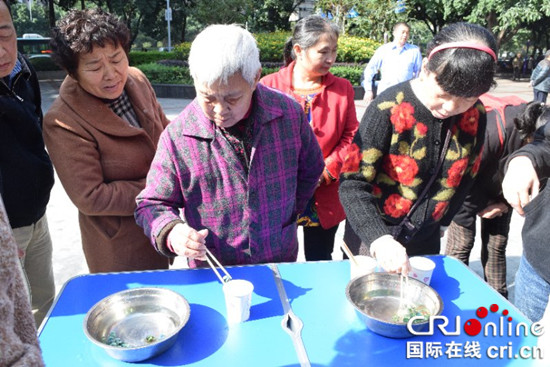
271	45
271	15
269	70
161	74
350	49
146	57
24	24
355	49
351	73
182	51
43	64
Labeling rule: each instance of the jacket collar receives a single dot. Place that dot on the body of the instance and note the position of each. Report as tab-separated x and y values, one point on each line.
23	71
97	113
287	71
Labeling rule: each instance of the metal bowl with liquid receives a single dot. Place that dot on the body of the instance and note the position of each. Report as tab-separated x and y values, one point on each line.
377	300
137	324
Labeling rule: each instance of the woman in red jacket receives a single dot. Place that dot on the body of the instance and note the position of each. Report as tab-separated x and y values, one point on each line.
328	103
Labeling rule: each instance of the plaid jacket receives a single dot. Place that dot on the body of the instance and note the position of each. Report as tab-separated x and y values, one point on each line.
251	219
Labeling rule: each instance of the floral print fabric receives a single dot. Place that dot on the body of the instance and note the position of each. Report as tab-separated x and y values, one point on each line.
395	152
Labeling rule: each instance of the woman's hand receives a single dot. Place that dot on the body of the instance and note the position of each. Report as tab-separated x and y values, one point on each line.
494	210
391	255
521	183
186	241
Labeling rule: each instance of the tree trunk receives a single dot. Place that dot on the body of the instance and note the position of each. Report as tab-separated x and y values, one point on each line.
51	14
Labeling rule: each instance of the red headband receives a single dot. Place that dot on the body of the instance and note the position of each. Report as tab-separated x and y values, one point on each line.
472	45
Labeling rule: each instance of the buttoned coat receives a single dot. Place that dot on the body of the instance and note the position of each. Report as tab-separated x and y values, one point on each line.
102	162
334	123
251	217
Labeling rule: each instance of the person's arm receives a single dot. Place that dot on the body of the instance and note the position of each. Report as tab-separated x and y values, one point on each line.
540	73
77	160
310	163
158	204
363	160
370	71
334	161
524	168
417	62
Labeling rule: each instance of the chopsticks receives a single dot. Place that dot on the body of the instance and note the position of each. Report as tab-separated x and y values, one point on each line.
226	278
348	253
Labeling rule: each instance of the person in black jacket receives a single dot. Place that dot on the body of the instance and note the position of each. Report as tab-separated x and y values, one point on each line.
25	167
504	135
526	189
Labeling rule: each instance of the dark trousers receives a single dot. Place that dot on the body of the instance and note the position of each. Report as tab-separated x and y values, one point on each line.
319	242
539	95
494	238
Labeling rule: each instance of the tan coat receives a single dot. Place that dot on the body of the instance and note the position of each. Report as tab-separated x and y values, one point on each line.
18	342
102	163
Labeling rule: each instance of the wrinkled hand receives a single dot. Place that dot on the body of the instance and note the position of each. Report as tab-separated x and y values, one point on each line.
186	241
391	255
493	210
521	180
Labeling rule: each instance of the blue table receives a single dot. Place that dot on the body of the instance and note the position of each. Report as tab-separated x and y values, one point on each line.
332	333
206	340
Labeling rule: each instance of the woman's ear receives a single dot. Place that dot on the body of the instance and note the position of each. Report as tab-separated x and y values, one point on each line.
297	50
257	79
424	69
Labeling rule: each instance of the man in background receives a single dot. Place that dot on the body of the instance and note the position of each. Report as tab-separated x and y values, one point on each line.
397	61
26	172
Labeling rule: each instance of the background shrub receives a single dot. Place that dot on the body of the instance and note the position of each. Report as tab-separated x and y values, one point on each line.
182	51
353	53
162	74
271	45
146	57
44	64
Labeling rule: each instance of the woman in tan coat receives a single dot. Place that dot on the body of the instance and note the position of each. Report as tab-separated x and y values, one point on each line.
101	133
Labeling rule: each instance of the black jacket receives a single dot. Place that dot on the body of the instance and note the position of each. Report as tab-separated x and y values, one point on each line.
488	184
534	234
25	168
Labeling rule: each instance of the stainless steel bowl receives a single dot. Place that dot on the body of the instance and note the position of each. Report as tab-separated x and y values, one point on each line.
137	324
376	299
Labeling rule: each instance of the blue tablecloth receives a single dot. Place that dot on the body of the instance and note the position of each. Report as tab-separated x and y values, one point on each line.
332	333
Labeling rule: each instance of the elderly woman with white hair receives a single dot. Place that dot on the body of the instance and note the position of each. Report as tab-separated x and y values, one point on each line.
236	167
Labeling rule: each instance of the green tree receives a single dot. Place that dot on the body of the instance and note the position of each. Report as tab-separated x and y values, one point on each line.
375	19
506	17
339	10
271	15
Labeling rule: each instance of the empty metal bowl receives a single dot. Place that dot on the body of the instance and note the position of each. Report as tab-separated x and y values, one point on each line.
376	298
137	324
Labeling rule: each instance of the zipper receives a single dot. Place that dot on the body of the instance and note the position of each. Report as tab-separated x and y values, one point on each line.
11	90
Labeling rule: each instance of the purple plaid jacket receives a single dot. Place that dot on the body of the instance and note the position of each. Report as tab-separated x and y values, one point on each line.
251	219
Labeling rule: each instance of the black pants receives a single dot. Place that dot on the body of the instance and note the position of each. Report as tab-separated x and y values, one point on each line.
319	242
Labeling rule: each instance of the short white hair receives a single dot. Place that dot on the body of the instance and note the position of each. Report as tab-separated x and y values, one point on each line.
222	50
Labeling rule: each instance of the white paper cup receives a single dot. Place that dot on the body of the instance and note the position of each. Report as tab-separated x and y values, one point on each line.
365	265
238	296
421	269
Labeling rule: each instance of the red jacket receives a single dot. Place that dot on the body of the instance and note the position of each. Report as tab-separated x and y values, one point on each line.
334	122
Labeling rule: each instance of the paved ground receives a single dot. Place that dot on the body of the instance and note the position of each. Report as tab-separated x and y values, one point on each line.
63	222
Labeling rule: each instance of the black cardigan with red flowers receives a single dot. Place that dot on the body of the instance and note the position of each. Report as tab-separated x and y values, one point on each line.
392	158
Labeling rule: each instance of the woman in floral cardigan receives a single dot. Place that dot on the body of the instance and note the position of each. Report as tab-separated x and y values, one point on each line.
398	145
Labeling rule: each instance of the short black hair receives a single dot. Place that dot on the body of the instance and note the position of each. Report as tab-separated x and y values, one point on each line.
531	118
463	72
